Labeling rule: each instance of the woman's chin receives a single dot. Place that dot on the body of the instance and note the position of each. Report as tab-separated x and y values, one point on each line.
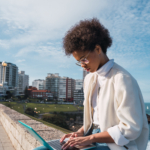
92	71
88	70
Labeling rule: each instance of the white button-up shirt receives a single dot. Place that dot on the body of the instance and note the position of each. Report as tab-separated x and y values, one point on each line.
102	73
113	131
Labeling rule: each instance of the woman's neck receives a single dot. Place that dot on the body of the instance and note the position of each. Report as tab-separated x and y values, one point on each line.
104	60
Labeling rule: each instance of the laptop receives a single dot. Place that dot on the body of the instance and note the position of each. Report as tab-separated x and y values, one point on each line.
53	144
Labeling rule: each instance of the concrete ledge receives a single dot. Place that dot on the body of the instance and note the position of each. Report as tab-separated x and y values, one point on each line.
19	136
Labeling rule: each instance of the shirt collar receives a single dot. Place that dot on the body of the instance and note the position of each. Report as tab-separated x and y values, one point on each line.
105	68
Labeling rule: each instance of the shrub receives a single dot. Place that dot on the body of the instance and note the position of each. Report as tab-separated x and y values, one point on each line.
29	111
8	105
56	119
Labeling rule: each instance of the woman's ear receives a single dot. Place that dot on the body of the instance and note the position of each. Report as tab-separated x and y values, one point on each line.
98	49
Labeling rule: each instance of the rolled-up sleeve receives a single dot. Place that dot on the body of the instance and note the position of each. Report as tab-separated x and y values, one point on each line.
129	110
116	135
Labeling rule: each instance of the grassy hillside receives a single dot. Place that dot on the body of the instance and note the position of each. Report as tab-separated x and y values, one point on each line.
41	108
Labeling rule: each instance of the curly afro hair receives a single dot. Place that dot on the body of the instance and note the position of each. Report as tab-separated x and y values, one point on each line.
85	36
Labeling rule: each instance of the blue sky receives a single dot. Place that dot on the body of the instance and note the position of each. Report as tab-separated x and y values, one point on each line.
31	33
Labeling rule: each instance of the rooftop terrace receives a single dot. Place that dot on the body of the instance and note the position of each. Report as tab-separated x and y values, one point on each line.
18	135
13	136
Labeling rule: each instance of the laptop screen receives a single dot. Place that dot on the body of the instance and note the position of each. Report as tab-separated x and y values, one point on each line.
36	135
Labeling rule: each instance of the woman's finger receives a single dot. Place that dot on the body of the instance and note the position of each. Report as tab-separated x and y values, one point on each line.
72	135
74	144
65	136
66	145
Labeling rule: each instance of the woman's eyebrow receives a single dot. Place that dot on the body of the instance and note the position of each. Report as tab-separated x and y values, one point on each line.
81	57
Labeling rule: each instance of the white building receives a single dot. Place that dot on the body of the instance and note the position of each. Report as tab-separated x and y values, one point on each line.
52	84
39	84
84	73
62	89
78	92
23	81
11	75
79	96
2	91
66	89
78	84
8	78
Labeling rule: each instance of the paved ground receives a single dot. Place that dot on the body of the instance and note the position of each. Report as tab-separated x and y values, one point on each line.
5	143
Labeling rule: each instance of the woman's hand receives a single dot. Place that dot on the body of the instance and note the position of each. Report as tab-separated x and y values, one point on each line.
77	141
71	135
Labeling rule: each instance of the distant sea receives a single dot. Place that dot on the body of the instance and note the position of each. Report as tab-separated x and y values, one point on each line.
147	109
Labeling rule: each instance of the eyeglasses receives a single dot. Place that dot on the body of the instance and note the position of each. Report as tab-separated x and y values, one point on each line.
83	60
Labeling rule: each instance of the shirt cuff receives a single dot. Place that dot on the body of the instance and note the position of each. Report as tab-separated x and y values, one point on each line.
115	133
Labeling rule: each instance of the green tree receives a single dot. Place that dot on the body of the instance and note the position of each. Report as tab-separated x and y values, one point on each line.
29	111
9	94
9	105
57	119
26	95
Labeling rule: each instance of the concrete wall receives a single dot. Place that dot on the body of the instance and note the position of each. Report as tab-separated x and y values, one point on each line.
19	136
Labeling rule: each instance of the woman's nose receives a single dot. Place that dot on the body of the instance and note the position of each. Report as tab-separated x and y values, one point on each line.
83	65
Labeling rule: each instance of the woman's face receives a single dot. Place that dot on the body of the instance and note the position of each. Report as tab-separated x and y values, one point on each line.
93	58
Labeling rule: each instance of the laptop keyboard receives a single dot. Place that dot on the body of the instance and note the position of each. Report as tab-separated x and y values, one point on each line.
56	144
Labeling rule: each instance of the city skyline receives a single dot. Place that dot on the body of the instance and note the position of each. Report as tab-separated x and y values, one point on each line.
32	31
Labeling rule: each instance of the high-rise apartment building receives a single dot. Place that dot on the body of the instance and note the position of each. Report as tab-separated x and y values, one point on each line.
84	74
78	92
52	84
11	74
23	81
70	86
79	96
66	89
62	89
78	84
39	84
2	92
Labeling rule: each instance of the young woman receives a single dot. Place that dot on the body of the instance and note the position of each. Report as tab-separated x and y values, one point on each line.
113	106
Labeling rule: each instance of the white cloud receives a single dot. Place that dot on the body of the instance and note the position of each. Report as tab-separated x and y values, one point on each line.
4	44
81	69
20	60
144	86
32	32
30	24
48	54
130	59
43	20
